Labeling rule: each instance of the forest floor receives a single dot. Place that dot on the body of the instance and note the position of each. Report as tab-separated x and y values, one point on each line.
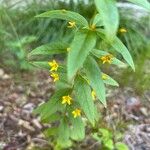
21	130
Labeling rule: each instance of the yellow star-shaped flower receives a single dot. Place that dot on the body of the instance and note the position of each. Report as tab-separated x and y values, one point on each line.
54	65
72	24
122	30
66	100
55	76
107	58
76	113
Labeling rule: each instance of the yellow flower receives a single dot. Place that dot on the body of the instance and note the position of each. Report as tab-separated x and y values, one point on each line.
66	100
72	24
104	76
107	58
122	30
76	113
93	95
54	65
68	49
55	76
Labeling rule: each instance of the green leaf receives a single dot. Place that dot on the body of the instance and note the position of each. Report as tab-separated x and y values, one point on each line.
54	117
82	44
97	114
121	146
62	83
109	144
99	53
142	3
47	109
49	49
105	133
96	137
65	15
54	104
63	144
110	81
63	132
110	17
78	129
121	48
98	20
84	98
93	74
50	132
40	64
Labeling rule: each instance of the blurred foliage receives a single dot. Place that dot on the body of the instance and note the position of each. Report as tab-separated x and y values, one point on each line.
20	32
137	40
108	140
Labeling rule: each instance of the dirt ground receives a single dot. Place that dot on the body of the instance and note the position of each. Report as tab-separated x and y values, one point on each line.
20	130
